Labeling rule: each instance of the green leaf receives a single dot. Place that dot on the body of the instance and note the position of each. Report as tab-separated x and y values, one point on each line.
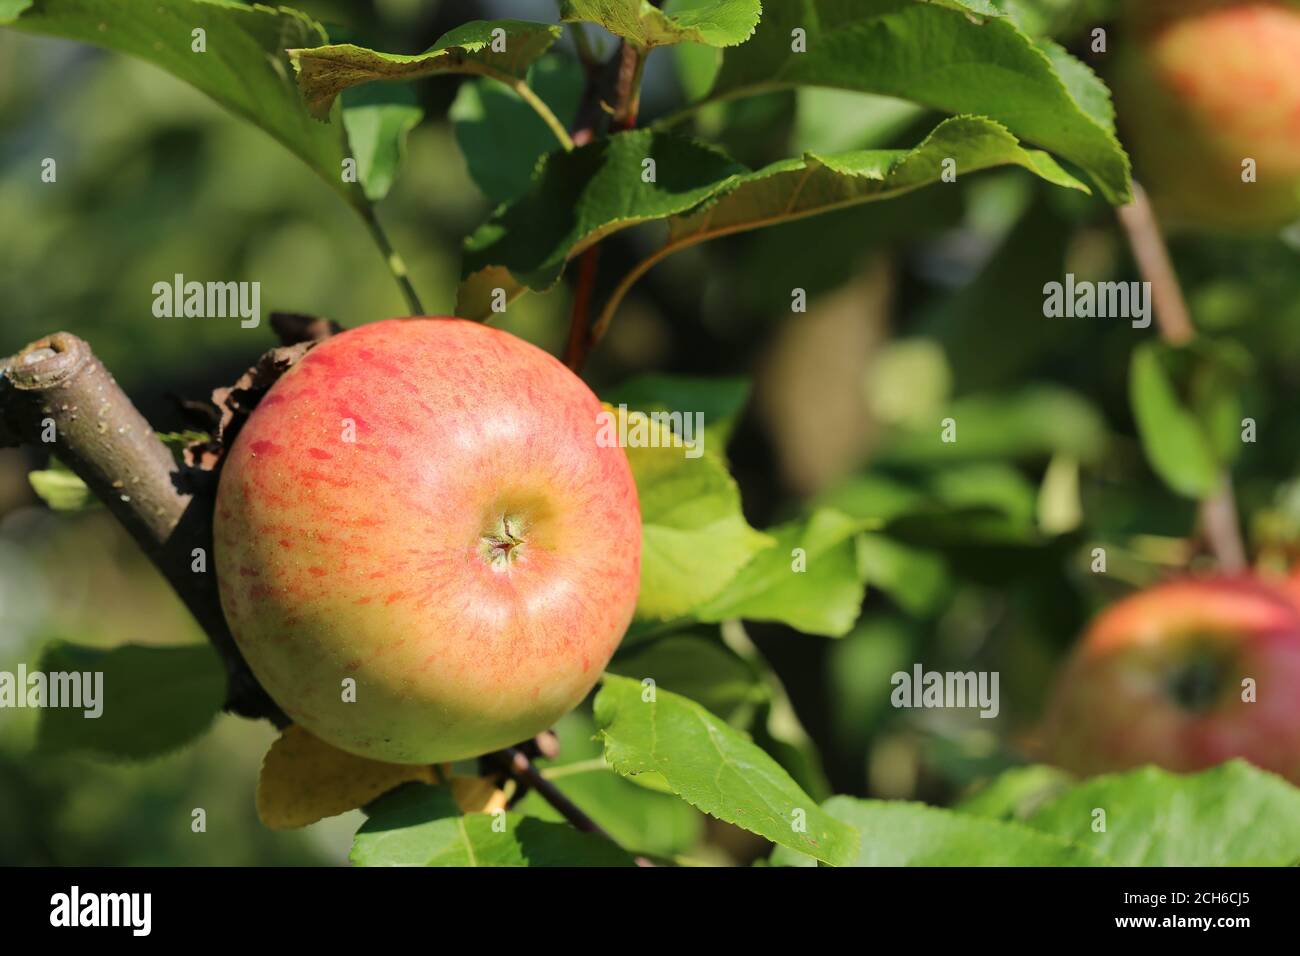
245	67
578	198
419	825
1016	793
1175	443
1187	402
986	503
915	578
895	833
639	819
713	22
856	669
60	488
154	699
326	71
718	400
875	496
501	136
1231	815
177	441
694	535
823	598
1036	422
794	189
714	767
696	65
952	56
378	119
1053	17
1001	487
832	121
697	665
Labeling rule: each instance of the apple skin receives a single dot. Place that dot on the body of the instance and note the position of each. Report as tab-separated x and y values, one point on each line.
472	559
1157	680
1201	85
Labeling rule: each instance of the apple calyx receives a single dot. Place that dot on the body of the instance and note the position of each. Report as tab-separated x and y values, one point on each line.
501	546
1196	685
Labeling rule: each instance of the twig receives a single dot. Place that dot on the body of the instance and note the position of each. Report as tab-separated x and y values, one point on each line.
579	343
1218	511
396	264
517	764
587	120
581	766
56	388
627	103
525	93
1222	528
602	323
1152	257
627	100
683	113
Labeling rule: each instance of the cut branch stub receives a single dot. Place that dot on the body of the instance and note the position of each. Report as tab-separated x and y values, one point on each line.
56	393
57	389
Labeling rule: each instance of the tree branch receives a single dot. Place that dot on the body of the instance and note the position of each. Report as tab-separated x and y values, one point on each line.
56	393
1218	512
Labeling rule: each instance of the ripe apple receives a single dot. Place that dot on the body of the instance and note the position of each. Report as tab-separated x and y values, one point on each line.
1158	678
421	505
1201	86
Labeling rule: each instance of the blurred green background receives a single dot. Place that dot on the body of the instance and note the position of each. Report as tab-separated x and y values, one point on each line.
913	305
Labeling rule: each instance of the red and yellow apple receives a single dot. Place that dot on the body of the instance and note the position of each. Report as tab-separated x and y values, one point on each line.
1202	86
423	551
1165	677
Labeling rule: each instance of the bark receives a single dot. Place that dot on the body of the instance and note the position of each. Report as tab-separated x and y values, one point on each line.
55	393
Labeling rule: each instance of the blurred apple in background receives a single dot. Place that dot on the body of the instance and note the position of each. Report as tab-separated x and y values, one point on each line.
1166	677
1202	86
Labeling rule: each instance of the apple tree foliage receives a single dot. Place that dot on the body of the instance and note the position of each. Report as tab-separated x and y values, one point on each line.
690	718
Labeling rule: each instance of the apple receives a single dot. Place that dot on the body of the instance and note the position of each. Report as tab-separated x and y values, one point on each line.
1201	86
1158	679
422	549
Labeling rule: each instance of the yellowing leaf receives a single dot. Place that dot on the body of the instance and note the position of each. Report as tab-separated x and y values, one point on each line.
305	779
477	794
